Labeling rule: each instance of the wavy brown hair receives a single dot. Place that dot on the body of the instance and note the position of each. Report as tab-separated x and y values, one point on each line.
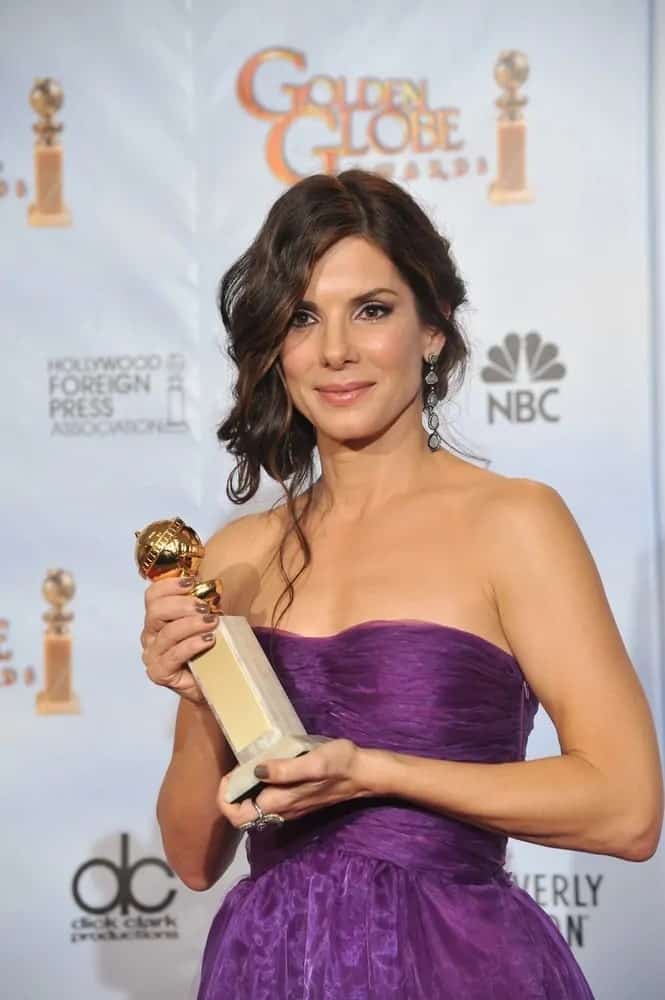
258	296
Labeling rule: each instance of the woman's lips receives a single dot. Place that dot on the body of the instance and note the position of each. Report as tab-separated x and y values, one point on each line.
343	398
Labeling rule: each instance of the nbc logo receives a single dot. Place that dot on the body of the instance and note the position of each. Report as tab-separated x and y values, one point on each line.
527	358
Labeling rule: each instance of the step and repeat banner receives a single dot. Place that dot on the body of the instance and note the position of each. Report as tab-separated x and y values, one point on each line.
140	149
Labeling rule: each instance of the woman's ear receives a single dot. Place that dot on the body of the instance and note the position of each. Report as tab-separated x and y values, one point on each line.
438	337
437	340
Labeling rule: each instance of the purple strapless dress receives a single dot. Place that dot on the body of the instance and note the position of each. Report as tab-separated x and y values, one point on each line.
379	898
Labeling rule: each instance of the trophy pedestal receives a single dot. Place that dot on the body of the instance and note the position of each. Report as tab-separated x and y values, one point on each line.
37	218
249	703
499	196
510	185
44	705
48	208
57	698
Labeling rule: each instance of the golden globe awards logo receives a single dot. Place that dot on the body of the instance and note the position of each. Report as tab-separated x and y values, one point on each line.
372	118
385	117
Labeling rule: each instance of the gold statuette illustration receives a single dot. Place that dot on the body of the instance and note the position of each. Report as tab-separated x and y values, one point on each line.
235	675
510	72
57	698
48	209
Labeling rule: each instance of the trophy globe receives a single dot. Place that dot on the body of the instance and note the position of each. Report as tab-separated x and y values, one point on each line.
46	98
171	547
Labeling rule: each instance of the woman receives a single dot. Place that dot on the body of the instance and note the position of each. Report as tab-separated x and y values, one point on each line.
432	605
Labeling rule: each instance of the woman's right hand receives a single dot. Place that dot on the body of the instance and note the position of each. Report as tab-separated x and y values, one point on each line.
177	627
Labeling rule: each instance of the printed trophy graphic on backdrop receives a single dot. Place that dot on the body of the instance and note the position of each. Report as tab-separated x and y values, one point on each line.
57	698
235	675
48	209
510	72
175	394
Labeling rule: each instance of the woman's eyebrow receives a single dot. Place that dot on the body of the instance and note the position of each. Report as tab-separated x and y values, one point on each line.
307	304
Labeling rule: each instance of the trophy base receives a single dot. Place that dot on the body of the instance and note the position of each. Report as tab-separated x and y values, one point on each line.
45	706
37	218
242	780
504	196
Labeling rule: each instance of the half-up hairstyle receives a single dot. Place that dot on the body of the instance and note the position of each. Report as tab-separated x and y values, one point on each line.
260	292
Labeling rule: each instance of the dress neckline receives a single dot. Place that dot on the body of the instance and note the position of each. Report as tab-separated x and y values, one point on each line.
377	622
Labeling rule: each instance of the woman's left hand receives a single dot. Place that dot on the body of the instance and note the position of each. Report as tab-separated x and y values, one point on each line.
321	777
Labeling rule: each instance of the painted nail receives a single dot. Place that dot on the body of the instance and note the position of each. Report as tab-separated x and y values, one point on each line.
210	618
261	771
202	607
208	637
186	581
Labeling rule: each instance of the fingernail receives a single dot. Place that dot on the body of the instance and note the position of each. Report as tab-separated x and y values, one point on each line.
186	581
210	618
208	637
261	771
202	607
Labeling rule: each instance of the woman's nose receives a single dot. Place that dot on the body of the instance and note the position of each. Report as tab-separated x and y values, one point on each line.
336	344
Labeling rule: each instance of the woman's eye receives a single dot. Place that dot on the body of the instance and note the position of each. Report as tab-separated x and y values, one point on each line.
374	306
299	315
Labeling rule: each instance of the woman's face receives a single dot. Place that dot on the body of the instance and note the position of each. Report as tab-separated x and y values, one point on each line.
357	322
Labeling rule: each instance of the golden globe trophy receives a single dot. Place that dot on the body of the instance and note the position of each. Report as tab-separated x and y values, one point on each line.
235	675
48	209
510	72
57	698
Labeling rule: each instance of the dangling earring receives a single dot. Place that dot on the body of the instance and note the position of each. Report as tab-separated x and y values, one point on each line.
431	378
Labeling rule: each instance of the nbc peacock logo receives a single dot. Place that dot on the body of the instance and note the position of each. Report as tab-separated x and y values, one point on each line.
518	359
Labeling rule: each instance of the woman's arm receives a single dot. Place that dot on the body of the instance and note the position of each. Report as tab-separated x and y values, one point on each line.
604	793
199	842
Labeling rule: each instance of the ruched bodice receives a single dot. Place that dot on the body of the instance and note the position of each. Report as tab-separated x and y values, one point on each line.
379	897
412	687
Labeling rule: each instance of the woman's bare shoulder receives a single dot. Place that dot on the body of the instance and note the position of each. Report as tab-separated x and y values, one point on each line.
512	498
249	533
504	513
236	553
516	520
494	492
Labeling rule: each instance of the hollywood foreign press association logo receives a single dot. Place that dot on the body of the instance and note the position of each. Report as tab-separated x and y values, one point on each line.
517	359
122	394
107	894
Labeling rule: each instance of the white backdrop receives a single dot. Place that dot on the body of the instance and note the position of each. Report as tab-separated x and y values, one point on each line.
115	379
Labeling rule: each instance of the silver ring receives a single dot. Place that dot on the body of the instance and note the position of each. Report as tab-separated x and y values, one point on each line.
262	819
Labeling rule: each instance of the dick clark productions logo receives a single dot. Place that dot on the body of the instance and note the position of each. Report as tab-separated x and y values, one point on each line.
101	925
509	363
